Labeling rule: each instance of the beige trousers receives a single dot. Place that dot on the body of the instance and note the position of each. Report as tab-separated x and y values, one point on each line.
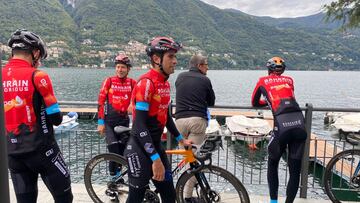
192	128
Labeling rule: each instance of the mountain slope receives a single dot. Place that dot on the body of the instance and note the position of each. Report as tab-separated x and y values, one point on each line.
45	17
232	39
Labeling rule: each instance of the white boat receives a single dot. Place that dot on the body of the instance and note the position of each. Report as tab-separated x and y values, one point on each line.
249	130
348	123
213	127
69	122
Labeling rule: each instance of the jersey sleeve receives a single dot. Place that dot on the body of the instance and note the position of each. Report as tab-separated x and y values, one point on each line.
256	96
144	91
142	96
105	86
44	86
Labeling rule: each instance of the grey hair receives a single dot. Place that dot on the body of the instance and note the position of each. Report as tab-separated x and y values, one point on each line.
197	60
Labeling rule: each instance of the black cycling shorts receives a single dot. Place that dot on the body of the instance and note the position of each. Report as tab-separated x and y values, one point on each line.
289	131
111	136
140	165
49	163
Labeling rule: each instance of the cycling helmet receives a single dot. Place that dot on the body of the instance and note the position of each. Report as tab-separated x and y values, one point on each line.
161	45
123	59
276	64
26	40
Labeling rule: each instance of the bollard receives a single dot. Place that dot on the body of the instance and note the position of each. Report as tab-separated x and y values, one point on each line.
305	159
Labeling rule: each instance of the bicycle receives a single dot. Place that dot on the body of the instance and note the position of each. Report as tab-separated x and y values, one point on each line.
227	187
342	176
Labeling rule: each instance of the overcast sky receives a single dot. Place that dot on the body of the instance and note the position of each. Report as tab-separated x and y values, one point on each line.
273	8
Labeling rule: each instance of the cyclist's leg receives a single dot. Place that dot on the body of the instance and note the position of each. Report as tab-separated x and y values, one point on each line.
275	149
139	173
55	174
166	188
24	181
136	195
296	150
112	145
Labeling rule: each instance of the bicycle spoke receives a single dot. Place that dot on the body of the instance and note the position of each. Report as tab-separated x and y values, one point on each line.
100	185
216	185
340	179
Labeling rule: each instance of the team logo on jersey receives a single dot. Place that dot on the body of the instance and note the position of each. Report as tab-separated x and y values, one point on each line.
149	148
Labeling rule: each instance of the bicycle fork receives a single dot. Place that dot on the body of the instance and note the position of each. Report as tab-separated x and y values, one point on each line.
204	185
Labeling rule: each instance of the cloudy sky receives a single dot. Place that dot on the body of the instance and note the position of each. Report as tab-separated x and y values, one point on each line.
273	8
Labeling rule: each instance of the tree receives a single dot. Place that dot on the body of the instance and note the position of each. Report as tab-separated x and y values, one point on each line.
348	11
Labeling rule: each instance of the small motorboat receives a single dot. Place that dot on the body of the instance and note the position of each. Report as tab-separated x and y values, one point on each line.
348	126
249	130
69	122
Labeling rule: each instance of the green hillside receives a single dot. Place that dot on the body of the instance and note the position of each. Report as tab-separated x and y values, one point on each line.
231	39
47	17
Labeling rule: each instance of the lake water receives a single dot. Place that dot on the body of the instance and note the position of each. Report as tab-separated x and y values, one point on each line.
234	88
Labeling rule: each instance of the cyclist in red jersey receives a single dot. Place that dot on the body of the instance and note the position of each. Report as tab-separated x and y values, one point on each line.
114	100
289	129
150	99
31	110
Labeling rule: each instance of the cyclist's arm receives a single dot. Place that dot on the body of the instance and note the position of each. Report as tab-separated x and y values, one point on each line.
43	85
256	95
102	99
143	95
211	95
170	125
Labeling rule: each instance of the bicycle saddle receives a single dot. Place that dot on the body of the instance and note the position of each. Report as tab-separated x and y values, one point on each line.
121	129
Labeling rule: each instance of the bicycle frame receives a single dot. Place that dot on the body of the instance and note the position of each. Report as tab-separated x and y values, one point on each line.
189	157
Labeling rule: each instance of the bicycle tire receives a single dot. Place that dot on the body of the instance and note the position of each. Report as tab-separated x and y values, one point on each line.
242	197
329	176
94	163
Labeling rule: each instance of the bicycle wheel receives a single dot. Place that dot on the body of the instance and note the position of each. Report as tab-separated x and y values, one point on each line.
342	176
99	185
223	187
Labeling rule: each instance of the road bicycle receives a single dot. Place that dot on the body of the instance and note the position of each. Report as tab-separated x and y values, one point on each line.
342	176
210	183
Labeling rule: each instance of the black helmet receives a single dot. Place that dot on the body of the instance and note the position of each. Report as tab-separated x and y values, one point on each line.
26	40
276	64
161	45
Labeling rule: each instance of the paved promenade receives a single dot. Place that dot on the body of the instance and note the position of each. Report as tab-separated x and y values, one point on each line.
80	196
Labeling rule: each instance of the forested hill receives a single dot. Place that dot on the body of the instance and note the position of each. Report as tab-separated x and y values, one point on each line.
231	39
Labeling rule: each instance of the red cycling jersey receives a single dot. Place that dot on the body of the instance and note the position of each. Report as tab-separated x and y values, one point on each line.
278	91
153	89
30	107
116	92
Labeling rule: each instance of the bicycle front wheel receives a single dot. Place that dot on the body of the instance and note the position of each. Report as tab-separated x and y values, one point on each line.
342	176
215	185
100	186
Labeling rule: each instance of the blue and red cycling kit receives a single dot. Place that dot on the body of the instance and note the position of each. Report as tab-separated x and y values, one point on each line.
289	129
114	100
150	100
31	110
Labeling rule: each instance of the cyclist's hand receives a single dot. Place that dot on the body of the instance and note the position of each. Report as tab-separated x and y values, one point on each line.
101	129
158	170
185	142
